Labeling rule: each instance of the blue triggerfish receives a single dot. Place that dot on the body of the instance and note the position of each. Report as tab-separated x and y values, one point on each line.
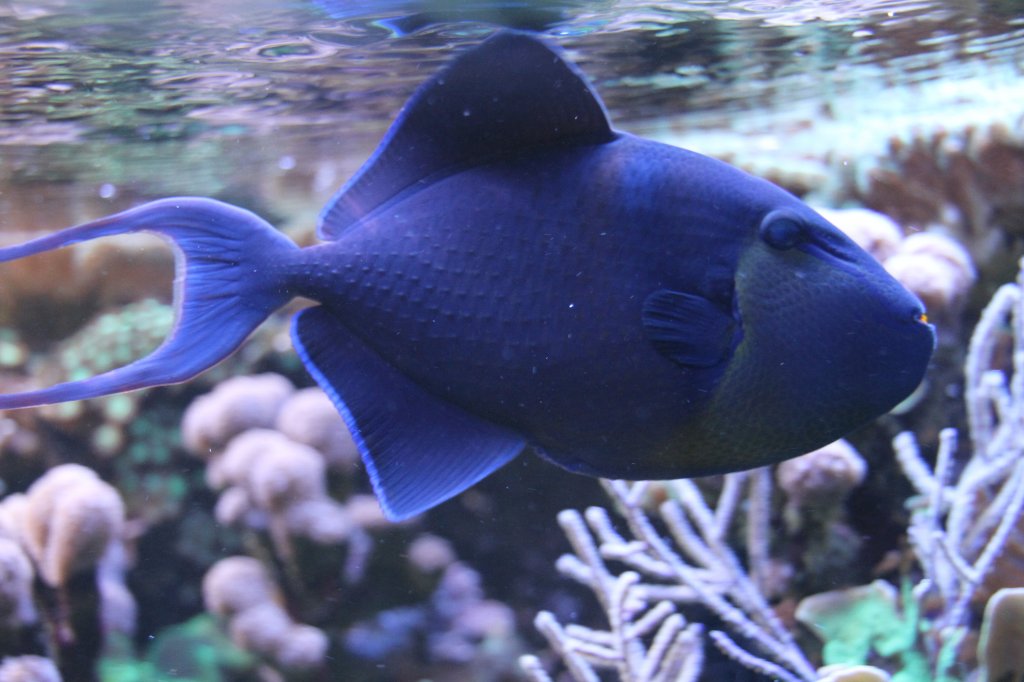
508	270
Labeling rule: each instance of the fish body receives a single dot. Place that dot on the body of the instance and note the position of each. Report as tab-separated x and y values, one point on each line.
532	318
509	270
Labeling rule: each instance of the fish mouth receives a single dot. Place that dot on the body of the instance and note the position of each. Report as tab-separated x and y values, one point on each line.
921	322
919	336
905	313
921	342
906	342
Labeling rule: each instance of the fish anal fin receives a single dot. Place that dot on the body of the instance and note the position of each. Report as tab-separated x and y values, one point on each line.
511	93
419	450
689	329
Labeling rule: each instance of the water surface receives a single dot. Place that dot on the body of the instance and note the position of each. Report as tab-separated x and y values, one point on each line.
278	99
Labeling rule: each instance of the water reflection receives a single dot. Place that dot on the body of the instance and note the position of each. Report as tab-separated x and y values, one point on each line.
134	71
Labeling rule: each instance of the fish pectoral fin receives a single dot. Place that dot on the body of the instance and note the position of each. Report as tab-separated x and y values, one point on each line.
419	449
689	329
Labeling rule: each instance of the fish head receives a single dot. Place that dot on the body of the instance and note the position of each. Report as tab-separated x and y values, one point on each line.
830	339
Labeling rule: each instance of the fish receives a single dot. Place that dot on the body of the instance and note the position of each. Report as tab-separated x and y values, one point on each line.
510	272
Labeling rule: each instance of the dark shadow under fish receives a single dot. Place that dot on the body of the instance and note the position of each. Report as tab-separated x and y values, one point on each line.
509	270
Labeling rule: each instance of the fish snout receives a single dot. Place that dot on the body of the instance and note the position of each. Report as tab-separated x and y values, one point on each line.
911	314
905	340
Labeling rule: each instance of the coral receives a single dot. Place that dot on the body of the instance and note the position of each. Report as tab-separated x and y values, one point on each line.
71	518
261	628
430	553
365	512
1002	631
16	575
236	404
235	584
95	276
676	651
100	428
28	669
272	482
277	473
151	472
855	622
239	590
133	424
68	529
124	268
110	340
968	180
467	620
457	626
1007	571
959	526
268	481
323	520
195	650
12	515
276	486
857	673
14	353
701	568
120	611
815	487
823	477
308	416
304	647
268	401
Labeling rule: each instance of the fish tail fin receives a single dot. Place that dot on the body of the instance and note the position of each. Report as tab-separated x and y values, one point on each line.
223	289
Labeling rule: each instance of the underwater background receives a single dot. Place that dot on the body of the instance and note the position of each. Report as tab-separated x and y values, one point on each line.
134	546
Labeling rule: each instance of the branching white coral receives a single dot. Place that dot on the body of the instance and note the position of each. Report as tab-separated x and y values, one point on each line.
635	615
647	640
959	527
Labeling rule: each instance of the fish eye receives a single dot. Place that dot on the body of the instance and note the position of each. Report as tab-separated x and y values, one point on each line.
782	230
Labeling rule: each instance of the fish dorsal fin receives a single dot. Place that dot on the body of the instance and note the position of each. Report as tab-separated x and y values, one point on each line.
511	93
